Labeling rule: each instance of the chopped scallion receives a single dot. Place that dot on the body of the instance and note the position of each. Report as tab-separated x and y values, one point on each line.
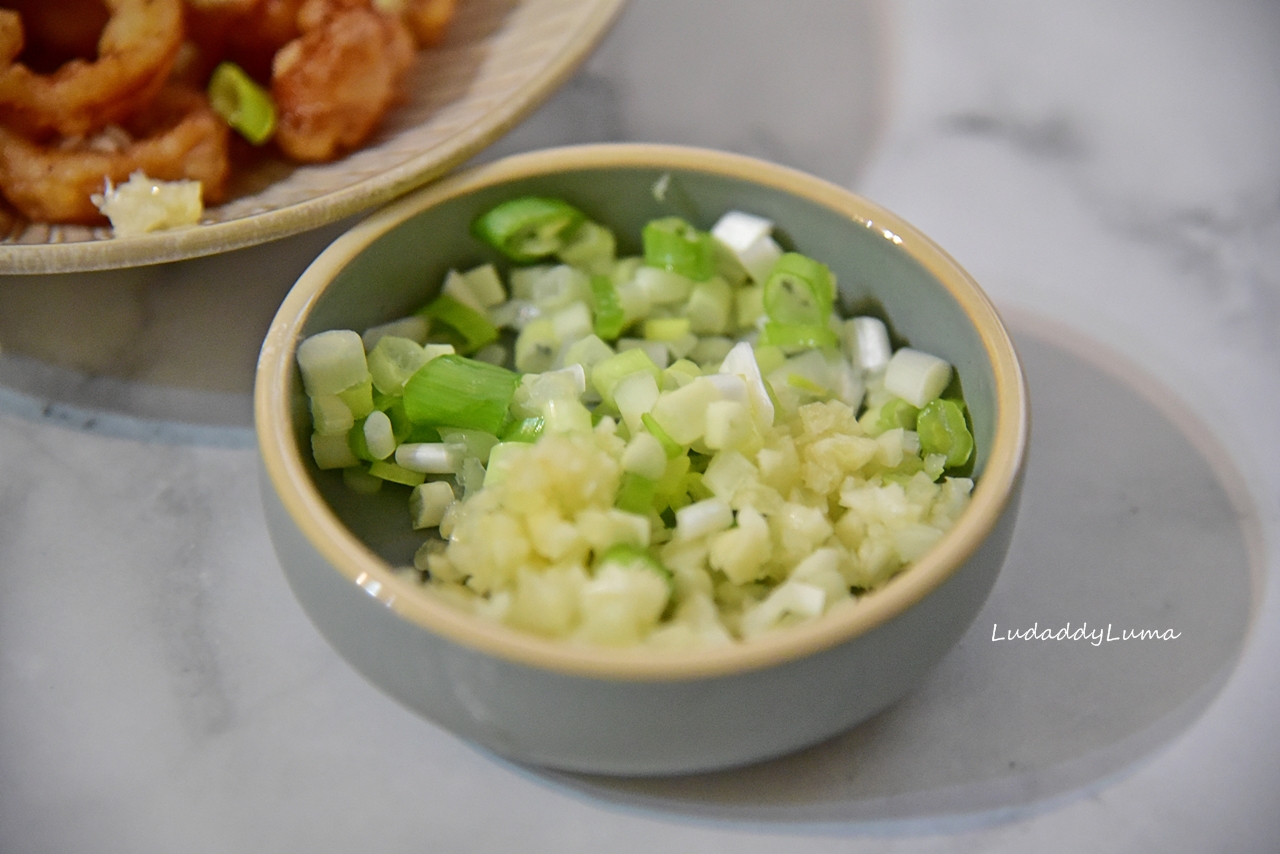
673	244
635	494
528	228
610	319
942	429
799	290
245	105
798	336
455	391
476	329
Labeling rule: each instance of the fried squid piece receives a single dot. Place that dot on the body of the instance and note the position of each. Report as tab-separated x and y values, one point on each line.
179	137
335	82
135	54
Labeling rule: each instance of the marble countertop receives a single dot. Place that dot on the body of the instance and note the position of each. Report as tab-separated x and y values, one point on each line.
1109	172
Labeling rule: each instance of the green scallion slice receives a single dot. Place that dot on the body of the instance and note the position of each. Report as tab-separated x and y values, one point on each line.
455	391
395	473
635	493
610	319
245	105
799	290
525	430
673	244
632	557
798	336
528	228
474	328
895	413
670	446
942	429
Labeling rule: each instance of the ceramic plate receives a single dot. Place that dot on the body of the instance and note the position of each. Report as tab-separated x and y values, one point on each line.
501	59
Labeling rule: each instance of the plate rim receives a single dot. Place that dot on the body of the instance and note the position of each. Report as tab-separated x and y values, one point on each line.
365	195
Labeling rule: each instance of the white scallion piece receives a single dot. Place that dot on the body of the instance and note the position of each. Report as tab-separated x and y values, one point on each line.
455	285
703	517
332	361
378	435
431	457
795	598
572	322
915	376
741	360
634	396
760	257
330	415
656	350
428	503
738	230
415	328
332	452
486	285
867	343
750	239
644	456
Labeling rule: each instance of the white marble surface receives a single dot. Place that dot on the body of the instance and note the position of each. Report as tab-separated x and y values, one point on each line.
1110	172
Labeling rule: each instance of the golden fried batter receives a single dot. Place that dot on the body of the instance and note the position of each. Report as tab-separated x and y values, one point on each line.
179	137
134	56
333	84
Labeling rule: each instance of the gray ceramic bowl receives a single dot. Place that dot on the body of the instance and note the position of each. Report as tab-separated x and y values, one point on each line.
633	711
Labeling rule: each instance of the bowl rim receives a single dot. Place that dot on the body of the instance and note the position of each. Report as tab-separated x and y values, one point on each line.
364	569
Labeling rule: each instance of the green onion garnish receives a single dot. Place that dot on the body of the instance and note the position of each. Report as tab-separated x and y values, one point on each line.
942	429
245	105
632	557
475	329
395	473
528	228
798	336
525	430
799	290
635	494
455	391
895	413
591	246
670	446
610	319
673	244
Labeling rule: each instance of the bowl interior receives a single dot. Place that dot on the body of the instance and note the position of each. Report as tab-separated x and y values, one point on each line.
395	262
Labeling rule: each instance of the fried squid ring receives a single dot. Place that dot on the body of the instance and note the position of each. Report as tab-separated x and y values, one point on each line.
333	84
136	52
180	137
